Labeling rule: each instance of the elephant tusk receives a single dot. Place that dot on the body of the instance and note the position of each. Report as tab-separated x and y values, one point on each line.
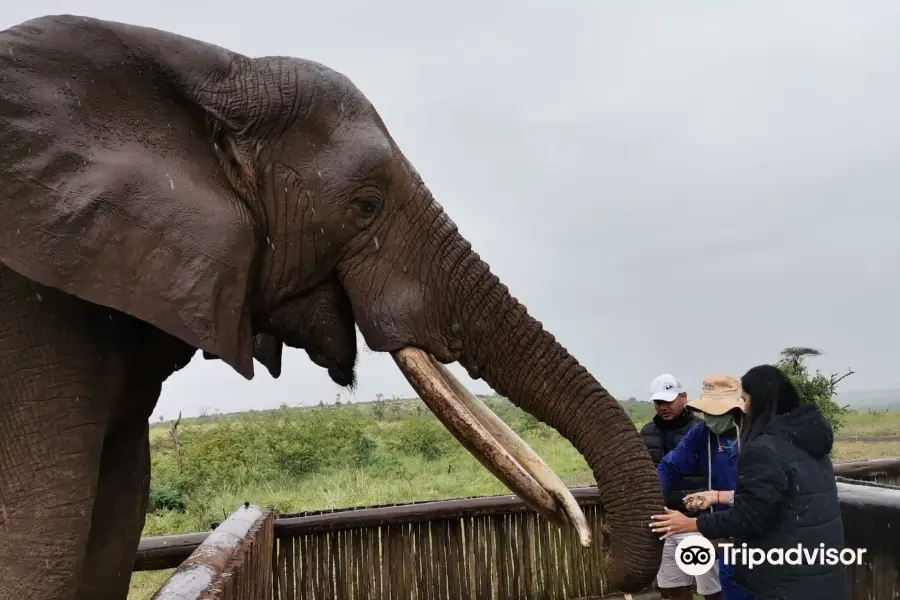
436	393
475	426
523	453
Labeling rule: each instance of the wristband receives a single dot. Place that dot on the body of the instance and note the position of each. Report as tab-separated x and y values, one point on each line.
718	498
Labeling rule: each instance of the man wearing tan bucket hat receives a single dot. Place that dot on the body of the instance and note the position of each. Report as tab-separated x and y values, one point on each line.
710	449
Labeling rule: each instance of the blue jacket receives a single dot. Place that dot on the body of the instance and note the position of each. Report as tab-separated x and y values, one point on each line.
691	457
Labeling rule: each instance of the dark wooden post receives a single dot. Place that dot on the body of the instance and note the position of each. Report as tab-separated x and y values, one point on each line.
211	562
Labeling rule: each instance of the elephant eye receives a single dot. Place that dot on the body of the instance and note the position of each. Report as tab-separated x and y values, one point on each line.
367	207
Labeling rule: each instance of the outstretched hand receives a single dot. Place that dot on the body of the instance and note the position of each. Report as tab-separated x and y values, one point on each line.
700	500
672	522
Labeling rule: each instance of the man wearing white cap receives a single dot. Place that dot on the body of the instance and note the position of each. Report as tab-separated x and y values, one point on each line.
661	435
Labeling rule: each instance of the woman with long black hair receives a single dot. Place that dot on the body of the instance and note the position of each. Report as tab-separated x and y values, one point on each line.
785	498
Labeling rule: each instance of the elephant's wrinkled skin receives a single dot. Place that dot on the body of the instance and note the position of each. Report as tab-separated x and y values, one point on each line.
160	195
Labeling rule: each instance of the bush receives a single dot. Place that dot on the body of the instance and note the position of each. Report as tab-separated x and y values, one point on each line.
816	388
424	437
365	452
268	450
166	497
237	453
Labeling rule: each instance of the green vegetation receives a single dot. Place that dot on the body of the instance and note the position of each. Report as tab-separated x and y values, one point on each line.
323	457
816	387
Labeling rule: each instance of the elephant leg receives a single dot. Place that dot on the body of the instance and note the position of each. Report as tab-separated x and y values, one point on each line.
120	505
118	519
46	495
56	382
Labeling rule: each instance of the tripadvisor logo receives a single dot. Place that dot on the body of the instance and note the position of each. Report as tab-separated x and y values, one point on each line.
695	555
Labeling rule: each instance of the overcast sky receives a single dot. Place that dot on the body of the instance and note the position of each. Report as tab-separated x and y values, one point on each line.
682	187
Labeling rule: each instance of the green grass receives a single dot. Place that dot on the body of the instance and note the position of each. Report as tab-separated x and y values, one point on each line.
299	459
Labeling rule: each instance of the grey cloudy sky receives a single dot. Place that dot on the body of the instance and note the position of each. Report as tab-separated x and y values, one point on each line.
668	186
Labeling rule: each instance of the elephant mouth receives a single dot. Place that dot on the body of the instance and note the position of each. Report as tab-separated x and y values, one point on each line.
491	441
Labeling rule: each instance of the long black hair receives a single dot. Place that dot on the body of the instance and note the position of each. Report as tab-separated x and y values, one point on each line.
771	394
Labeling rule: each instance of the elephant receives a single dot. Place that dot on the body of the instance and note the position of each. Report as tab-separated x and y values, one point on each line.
162	195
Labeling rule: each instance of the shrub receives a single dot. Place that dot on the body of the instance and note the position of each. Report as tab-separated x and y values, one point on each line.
167	497
364	452
425	437
815	388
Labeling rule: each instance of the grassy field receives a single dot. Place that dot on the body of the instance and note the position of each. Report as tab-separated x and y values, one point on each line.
326	457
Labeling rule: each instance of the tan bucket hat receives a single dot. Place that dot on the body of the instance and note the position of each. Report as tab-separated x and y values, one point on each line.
721	393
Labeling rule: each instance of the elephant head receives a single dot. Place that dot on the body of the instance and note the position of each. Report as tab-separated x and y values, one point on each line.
240	203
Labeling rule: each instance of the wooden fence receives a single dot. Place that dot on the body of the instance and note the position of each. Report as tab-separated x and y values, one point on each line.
494	548
234	562
477	548
881	470
871	515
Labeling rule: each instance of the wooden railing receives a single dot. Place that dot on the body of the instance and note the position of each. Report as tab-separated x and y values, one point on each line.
881	470
495	548
234	562
871	516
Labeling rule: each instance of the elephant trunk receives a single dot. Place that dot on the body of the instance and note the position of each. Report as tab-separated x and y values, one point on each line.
520	360
510	350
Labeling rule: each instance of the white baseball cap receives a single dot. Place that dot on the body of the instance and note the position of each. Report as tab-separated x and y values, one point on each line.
666	388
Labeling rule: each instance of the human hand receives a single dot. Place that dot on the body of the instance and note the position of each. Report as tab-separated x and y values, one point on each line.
700	500
672	522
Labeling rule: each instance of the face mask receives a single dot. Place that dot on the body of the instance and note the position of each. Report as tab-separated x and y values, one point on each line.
719	424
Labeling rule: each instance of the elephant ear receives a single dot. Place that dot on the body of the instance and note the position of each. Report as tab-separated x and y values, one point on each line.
121	176
266	349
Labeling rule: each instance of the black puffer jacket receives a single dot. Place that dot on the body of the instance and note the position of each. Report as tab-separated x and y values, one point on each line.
661	437
786	496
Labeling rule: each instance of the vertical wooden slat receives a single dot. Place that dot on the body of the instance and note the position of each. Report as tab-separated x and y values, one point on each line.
364	588
309	563
397	550
331	559
373	560
389	567
301	566
483	591
456	581
564	588
282	566
469	558
515	572
426	585
563	559
598	582
445	572
290	571
501	555
576	556
528	556
409	576
277	591
321	566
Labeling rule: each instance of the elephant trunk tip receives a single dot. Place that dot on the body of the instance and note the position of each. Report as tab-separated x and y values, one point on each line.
631	558
623	578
